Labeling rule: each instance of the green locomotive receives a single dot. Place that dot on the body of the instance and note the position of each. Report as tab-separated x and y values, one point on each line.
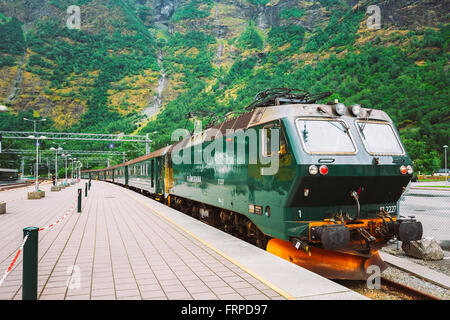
316	184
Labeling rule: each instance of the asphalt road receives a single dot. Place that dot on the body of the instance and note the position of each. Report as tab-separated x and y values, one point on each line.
432	208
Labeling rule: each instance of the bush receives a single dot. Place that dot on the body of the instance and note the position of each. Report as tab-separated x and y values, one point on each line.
250	39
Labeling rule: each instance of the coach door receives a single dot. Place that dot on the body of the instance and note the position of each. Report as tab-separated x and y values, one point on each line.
168	182
159	171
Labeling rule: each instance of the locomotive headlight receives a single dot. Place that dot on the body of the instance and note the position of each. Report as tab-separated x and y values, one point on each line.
313	170
356	110
339	108
403	169
409	169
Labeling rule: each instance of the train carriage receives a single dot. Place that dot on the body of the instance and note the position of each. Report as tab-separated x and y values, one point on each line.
109	175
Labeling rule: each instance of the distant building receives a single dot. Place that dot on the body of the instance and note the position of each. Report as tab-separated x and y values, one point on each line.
441	172
9	174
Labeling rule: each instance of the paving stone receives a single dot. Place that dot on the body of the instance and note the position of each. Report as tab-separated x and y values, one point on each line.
256	297
230	296
152	294
204	296
198	289
105	297
223	290
178	295
128	293
102	292
247	291
79	297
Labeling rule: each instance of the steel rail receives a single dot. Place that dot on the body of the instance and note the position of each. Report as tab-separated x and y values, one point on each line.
399	287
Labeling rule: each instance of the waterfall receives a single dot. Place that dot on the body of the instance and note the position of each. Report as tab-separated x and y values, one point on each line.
153	109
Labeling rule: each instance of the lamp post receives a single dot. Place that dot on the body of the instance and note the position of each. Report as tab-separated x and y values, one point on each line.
445	164
37	158
56	163
79	169
66	156
71	172
34	121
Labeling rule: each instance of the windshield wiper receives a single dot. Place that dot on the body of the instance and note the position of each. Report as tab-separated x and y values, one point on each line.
345	130
363	125
305	133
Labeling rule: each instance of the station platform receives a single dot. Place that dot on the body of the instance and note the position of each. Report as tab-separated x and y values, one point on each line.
124	245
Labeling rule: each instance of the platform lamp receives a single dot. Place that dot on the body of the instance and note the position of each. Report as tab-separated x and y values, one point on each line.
56	163
65	156
79	165
71	172
445	164
37	157
34	121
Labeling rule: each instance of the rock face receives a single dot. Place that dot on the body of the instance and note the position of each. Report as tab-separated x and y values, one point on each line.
426	249
410	14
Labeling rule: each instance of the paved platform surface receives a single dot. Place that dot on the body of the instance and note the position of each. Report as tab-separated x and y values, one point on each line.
126	246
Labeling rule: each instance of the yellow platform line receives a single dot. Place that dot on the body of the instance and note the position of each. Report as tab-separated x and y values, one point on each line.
253	274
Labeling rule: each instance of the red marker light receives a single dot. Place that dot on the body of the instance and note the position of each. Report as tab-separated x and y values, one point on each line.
403	169
323	170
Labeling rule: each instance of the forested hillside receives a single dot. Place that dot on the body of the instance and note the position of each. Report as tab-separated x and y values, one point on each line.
139	66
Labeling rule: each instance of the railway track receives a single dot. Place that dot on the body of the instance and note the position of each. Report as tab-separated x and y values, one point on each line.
389	290
12	186
413	293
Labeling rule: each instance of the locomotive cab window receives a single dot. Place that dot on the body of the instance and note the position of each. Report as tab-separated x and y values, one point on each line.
321	136
379	138
267	140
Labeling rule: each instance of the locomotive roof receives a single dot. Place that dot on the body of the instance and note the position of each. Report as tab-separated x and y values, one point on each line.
262	115
268	114
256	117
